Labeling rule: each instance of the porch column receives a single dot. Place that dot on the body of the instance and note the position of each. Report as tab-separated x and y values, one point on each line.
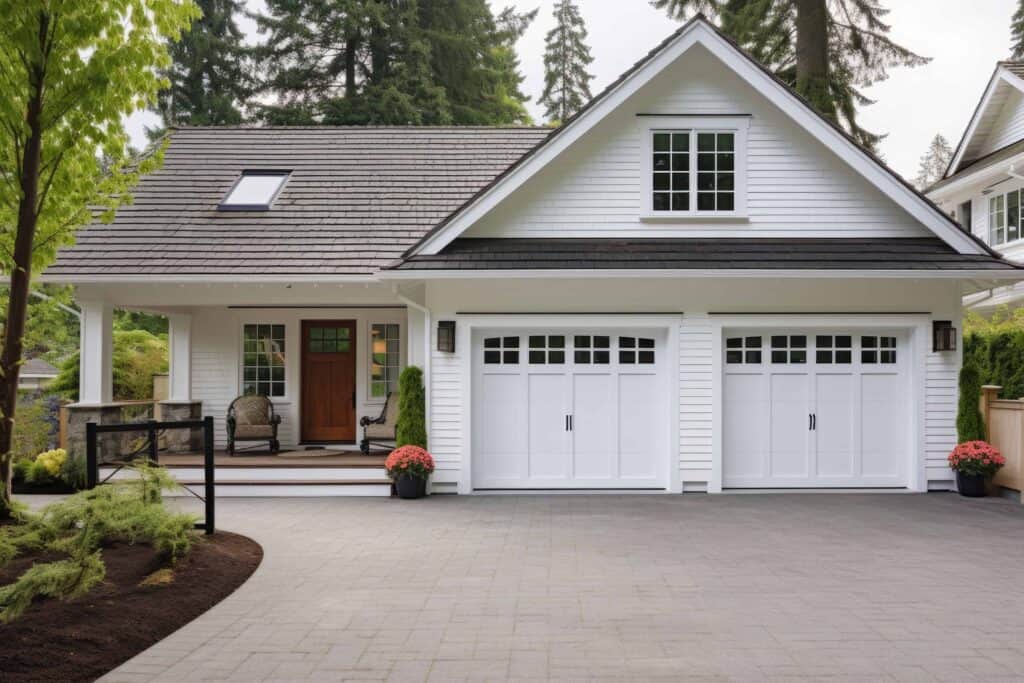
96	376
179	346
179	404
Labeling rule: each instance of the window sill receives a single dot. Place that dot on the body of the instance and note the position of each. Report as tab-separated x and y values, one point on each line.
693	218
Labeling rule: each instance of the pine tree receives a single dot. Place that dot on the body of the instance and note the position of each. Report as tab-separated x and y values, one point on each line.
933	163
1017	32
566	58
828	50
209	75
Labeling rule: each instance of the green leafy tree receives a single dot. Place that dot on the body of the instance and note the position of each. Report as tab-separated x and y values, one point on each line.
1017	32
566	58
51	330
827	50
70	72
137	356
209	75
411	425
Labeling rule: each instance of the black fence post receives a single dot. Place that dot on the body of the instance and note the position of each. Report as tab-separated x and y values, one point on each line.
208	464
151	435
92	466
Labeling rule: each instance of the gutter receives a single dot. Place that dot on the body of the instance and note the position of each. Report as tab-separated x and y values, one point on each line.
426	350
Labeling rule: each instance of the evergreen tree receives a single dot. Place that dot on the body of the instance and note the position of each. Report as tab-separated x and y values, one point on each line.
933	163
1017	32
827	50
361	62
209	74
566	58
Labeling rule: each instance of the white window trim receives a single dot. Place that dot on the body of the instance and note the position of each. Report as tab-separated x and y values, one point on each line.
1006	212
737	125
370	399
240	388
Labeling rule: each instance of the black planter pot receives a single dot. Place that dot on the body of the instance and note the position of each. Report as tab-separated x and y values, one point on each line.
410	487
971	485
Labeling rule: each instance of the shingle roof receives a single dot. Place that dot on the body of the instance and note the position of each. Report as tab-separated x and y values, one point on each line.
694	254
356	199
38	367
1000	155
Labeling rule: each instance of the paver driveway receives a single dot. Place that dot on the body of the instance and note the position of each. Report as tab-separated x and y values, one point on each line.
742	587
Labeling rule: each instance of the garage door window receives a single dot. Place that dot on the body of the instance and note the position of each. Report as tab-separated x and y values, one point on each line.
501	351
592	350
743	350
880	350
547	349
837	350
789	349
636	350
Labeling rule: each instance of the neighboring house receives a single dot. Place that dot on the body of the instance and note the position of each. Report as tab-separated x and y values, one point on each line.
35	374
696	283
983	185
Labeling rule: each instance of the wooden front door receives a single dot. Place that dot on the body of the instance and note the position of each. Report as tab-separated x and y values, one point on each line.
328	380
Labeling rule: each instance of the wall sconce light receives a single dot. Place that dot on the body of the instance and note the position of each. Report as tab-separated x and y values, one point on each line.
943	336
446	336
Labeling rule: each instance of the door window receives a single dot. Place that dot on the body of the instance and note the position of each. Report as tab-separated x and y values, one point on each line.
743	350
330	339
589	350
501	351
789	349
547	349
834	349
878	350
636	350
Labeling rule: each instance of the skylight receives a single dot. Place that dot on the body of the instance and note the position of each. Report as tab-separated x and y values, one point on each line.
254	191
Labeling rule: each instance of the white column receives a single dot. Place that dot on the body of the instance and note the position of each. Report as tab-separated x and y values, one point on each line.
96	377
180	351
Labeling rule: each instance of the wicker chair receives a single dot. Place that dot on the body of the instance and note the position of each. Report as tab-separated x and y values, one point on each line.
382	427
252	418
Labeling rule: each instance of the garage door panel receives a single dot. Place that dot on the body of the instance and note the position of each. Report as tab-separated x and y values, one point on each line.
789	425
835	425
503	427
745	427
547	403
594	435
883	435
642	430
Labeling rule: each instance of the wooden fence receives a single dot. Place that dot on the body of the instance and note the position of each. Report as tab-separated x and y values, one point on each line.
1004	420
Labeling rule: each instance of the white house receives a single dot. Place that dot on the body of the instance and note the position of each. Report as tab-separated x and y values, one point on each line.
982	186
695	284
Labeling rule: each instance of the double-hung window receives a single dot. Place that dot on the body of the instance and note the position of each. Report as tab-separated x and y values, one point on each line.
1004	218
696	168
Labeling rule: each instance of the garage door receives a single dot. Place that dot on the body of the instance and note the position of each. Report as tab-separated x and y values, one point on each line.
812	408
563	408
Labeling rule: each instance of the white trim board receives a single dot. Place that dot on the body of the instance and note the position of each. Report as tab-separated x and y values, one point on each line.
699	31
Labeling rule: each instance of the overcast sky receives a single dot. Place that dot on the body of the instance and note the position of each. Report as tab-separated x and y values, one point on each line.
964	38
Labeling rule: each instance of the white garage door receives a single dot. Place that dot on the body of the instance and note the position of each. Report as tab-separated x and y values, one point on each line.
813	408
563	408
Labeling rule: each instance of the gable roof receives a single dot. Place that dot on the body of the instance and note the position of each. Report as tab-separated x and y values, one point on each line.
1007	77
357	197
699	30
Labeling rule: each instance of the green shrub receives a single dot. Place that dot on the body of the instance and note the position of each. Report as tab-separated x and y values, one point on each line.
79	526
72	472
21	469
969	424
411	425
32	429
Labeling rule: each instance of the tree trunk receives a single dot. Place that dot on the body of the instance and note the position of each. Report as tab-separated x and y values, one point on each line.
812	72
351	47
21	274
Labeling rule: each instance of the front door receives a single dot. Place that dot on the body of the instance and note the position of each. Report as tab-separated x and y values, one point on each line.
328	380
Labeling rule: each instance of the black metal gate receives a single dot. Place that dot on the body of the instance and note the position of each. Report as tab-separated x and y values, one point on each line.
152	427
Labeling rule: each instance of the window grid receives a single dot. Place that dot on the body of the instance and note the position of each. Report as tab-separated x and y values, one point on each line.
674	182
743	350
501	351
636	350
834	349
589	350
386	360
547	349
789	349
263	360
716	171
671	171
878	350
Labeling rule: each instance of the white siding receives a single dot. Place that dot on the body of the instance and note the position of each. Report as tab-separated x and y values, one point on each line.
941	379
696	378
1008	126
796	187
446	414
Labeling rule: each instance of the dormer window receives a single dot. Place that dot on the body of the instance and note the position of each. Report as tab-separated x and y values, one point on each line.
695	168
254	191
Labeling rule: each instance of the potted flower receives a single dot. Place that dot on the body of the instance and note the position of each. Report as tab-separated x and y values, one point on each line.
409	467
975	463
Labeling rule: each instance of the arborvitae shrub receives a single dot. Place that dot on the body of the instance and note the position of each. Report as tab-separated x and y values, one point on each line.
411	426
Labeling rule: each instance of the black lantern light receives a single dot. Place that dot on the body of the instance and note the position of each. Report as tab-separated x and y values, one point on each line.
943	335
446	336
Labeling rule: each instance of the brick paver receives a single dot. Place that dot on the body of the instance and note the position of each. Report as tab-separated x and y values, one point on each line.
740	587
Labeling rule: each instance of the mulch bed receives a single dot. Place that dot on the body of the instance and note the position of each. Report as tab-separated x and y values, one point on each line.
81	639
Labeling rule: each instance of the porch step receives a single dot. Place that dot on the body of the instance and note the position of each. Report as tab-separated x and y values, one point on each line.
280	482
291	489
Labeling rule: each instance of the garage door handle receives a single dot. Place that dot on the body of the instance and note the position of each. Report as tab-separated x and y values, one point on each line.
568	423
812	422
